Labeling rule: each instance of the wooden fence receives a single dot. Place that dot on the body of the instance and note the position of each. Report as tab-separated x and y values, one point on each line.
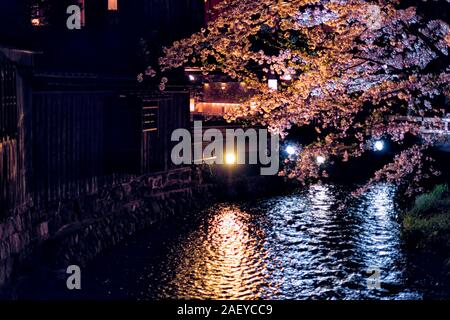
74	142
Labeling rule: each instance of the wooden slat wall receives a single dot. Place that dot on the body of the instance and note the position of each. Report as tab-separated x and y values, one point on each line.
68	144
173	114
150	143
11	188
8	99
122	141
8	175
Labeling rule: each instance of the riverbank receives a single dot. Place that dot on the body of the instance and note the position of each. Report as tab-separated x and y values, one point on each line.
76	231
313	243
426	230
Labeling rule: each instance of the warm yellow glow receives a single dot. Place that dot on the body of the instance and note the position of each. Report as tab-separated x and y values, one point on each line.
192	105
222	260
222	103
230	158
35	22
214	108
112	5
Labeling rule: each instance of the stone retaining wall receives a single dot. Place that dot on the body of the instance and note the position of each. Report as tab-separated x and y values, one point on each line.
73	232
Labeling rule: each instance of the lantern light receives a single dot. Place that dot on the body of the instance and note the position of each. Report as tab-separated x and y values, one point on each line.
192	105
230	158
290	150
320	160
36	22
378	145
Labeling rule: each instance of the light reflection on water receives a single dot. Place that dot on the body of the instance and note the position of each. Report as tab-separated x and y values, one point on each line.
315	244
235	265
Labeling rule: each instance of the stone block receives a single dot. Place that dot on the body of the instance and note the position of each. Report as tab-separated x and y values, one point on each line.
42	231
4	249
16	243
18	226
2	273
156	209
8	228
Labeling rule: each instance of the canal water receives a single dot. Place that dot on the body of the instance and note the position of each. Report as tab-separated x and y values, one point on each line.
313	244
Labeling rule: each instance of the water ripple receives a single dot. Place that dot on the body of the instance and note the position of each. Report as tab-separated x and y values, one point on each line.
314	244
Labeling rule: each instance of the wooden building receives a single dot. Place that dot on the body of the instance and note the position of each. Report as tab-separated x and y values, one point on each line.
73	118
58	143
88	138
14	103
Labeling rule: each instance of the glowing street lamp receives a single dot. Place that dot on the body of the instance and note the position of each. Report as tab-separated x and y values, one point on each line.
320	160
378	145
35	22
192	105
290	150
230	158
191	77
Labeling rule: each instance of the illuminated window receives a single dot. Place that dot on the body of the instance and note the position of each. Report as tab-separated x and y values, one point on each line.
150	118
112	5
36	22
39	10
38	18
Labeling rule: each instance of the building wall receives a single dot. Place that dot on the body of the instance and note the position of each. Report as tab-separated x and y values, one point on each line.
9	177
73	178
68	146
109	41
172	113
69	136
14	105
73	231
84	140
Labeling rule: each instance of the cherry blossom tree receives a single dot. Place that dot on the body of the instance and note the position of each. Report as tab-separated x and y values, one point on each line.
346	67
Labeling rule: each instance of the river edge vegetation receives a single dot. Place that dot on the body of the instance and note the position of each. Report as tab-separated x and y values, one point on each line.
426	226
